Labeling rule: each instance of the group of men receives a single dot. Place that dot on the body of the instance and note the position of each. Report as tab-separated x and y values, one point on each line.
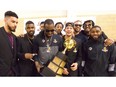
93	54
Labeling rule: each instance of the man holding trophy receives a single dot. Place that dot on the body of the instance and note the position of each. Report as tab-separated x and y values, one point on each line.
46	45
50	60
66	63
73	51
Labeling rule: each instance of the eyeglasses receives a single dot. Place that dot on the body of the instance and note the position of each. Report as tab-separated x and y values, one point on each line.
78	25
87	24
49	30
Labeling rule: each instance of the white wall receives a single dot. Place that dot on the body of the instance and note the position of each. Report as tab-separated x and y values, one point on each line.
38	8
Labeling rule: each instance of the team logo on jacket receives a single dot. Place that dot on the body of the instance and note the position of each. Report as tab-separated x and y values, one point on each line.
90	48
43	40
55	41
75	50
105	49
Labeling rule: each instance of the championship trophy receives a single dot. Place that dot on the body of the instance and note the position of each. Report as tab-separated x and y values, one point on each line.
56	65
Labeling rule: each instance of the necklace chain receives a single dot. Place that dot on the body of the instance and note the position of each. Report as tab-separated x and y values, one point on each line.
30	40
48	43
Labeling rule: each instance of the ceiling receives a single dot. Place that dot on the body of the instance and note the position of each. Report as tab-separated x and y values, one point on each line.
34	8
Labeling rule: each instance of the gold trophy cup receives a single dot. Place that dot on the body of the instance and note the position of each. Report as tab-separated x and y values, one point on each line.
56	65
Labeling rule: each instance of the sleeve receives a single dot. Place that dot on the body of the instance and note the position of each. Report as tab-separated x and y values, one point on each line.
35	48
60	44
112	60
84	51
79	54
35	45
79	59
104	35
19	49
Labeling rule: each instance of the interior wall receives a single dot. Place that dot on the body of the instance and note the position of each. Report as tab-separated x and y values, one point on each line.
20	27
107	23
1	22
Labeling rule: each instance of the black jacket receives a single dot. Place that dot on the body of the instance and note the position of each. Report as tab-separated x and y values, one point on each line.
8	56
40	47
74	55
26	66
97	57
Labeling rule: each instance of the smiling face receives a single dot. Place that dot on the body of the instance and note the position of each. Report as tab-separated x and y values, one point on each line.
77	26
58	28
30	28
87	26
95	32
69	31
49	30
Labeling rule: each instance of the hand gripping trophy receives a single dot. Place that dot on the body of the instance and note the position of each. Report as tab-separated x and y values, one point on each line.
56	65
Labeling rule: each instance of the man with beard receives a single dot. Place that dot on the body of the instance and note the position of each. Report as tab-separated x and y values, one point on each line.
84	34
25	51
46	45
99	59
77	27
8	59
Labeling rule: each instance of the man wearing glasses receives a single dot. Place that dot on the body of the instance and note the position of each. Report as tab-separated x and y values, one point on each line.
84	34
46	45
77	26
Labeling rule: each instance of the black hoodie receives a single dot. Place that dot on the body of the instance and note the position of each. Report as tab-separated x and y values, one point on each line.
97	57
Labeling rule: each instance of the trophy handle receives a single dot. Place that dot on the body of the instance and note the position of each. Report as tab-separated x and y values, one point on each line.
64	50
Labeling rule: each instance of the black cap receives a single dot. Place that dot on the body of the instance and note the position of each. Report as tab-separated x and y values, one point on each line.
69	24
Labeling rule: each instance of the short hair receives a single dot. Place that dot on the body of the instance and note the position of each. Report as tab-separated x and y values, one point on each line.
69	24
42	22
89	21
96	26
59	23
29	22
77	21
10	13
48	21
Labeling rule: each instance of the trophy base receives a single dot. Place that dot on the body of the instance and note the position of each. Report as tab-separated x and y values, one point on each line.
55	66
47	72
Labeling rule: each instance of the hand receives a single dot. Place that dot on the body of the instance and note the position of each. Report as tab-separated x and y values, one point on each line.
108	42
65	71
29	55
38	66
115	41
21	35
74	66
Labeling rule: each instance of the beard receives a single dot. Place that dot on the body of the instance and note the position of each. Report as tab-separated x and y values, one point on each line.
12	30
31	33
95	37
